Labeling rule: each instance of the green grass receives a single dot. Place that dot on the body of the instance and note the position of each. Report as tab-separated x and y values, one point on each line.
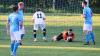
54	25
49	52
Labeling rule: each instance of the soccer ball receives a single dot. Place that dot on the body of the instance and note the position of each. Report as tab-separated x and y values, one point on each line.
54	38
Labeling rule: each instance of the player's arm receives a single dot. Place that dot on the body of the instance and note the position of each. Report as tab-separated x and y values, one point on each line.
21	24
33	18
20	21
91	13
84	14
44	17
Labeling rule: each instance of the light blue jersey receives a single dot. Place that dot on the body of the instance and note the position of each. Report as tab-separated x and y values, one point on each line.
88	15
20	12
13	20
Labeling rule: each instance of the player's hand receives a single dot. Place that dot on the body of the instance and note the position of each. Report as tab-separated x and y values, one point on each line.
82	15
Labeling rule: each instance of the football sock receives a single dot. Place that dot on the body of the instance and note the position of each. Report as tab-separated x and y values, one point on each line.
87	38
12	45
34	34
22	35
92	36
44	32
16	47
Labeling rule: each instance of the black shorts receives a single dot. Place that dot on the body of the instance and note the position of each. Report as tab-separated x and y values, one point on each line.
59	37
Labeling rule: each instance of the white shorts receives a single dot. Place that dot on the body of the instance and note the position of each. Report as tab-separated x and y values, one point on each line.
37	26
15	36
22	31
87	27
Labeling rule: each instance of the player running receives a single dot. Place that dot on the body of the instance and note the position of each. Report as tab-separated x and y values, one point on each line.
14	25
87	27
39	22
20	11
65	35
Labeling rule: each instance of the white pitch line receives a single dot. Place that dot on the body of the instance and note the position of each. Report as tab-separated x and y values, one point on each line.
55	47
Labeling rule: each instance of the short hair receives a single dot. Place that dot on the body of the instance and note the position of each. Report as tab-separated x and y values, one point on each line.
38	9
20	3
85	2
15	8
70	30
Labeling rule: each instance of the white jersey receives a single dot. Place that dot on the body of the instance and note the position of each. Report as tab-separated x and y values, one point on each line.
39	17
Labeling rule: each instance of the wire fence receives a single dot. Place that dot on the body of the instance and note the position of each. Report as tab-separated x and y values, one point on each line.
61	15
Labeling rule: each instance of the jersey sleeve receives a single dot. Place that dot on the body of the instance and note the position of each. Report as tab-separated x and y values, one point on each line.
33	16
20	18
44	15
84	11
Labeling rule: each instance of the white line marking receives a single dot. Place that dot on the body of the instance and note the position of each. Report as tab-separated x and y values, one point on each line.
55	47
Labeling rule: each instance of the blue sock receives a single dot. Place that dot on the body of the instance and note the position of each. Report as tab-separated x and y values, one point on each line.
22	35
16	47
87	38
12	45
92	36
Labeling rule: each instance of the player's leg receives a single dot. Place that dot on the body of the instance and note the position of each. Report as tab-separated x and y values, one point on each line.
34	35
92	34
59	37
86	37
34	32
92	37
12	42
17	43
44	34
42	26
86	32
22	35
22	32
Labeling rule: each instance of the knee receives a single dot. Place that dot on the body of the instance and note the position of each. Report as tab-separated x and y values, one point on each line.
13	41
86	32
34	31
18	41
44	30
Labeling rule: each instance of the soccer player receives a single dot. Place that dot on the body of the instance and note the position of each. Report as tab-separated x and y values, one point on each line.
14	25
65	35
39	22
20	11
87	27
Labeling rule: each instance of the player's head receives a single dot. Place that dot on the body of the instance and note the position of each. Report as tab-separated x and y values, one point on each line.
54	38
38	9
70	30
15	8
84	3
21	5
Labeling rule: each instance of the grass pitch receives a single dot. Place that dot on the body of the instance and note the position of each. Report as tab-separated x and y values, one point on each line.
54	25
